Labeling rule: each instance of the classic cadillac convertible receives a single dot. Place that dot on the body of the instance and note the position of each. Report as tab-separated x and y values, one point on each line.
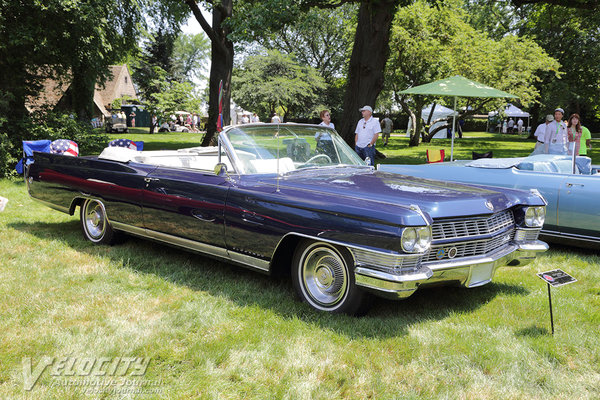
296	197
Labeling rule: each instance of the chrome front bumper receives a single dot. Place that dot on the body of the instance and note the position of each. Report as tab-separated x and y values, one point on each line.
468	271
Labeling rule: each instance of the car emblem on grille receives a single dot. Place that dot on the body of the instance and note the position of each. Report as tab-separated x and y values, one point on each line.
489	205
440	254
452	252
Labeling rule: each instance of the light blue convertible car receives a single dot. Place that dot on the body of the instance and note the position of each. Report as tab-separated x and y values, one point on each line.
573	211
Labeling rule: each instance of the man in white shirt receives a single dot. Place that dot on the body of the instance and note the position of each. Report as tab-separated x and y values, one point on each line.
511	125
520	126
540	132
555	139
366	133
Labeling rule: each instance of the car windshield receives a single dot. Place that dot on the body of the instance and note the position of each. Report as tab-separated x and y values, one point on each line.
265	148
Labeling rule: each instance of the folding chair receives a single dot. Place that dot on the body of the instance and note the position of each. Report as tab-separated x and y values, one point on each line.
29	146
435	156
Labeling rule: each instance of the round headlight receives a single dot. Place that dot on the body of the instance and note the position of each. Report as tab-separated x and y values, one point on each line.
409	239
535	216
424	239
416	240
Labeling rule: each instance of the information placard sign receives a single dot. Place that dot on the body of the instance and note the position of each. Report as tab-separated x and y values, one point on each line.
556	277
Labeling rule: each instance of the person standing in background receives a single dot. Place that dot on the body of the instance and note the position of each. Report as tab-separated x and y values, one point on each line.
555	139
586	141
366	134
386	129
511	125
540	132
574	134
132	116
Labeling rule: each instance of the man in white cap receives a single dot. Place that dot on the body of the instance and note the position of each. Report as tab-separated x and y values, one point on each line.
540	132
366	134
555	139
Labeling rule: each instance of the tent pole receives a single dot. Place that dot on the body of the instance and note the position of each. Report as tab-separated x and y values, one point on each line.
453	125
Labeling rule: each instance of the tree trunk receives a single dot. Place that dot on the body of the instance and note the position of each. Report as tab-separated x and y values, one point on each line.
82	92
367	62
220	70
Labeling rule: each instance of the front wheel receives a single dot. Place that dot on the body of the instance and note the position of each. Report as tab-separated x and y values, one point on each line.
94	223
323	277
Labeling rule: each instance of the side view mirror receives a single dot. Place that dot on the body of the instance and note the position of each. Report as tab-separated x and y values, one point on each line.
221	169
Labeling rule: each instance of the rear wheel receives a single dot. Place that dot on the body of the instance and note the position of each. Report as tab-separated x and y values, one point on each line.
94	223
323	277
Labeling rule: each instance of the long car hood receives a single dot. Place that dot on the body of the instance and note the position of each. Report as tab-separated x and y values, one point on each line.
381	189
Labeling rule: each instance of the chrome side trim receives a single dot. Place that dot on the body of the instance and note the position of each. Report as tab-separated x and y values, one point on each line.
562	235
245	260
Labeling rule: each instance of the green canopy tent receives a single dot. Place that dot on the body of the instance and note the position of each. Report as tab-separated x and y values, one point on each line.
457	86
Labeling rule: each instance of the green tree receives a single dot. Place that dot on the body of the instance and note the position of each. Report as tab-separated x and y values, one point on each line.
430	43
190	56
274	80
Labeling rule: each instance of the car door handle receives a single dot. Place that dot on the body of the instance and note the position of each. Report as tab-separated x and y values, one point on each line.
148	180
252	218
574	184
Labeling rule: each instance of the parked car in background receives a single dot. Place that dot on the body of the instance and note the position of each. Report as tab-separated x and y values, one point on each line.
573	213
268	198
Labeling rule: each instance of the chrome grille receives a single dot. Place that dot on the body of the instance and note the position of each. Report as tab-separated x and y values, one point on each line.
392	263
461	229
468	249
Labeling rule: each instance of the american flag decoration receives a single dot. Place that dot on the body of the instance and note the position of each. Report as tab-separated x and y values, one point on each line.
65	147
130	144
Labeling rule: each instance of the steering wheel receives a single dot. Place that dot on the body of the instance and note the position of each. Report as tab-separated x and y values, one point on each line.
316	157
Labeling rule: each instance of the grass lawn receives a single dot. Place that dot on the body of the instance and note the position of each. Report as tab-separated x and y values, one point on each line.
216	331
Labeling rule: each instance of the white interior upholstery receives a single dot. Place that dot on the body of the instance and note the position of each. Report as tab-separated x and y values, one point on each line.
269	166
202	158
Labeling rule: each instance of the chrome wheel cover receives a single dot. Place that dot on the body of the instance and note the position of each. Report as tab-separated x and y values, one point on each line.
324	275
94	220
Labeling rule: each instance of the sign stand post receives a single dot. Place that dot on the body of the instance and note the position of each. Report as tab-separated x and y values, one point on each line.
555	278
550	302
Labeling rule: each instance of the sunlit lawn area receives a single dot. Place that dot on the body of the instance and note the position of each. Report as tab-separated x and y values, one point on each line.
216	331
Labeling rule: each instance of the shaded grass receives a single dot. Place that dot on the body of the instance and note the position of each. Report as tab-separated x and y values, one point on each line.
214	330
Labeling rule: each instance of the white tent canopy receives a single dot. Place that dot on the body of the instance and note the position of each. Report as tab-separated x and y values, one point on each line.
512	111
440	112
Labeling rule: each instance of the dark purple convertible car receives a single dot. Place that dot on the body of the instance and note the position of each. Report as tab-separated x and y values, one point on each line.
296	197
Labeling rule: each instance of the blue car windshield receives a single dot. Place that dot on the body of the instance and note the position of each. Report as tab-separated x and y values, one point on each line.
283	148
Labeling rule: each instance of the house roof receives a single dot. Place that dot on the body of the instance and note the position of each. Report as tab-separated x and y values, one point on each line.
117	85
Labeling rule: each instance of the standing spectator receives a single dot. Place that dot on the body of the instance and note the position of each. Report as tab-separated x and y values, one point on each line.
275	119
255	118
245	119
180	120
461	124
555	139
540	132
386	129
132	116
504	127
520	126
511	125
366	133
154	122
188	121
574	134
586	141
195	122
322	137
